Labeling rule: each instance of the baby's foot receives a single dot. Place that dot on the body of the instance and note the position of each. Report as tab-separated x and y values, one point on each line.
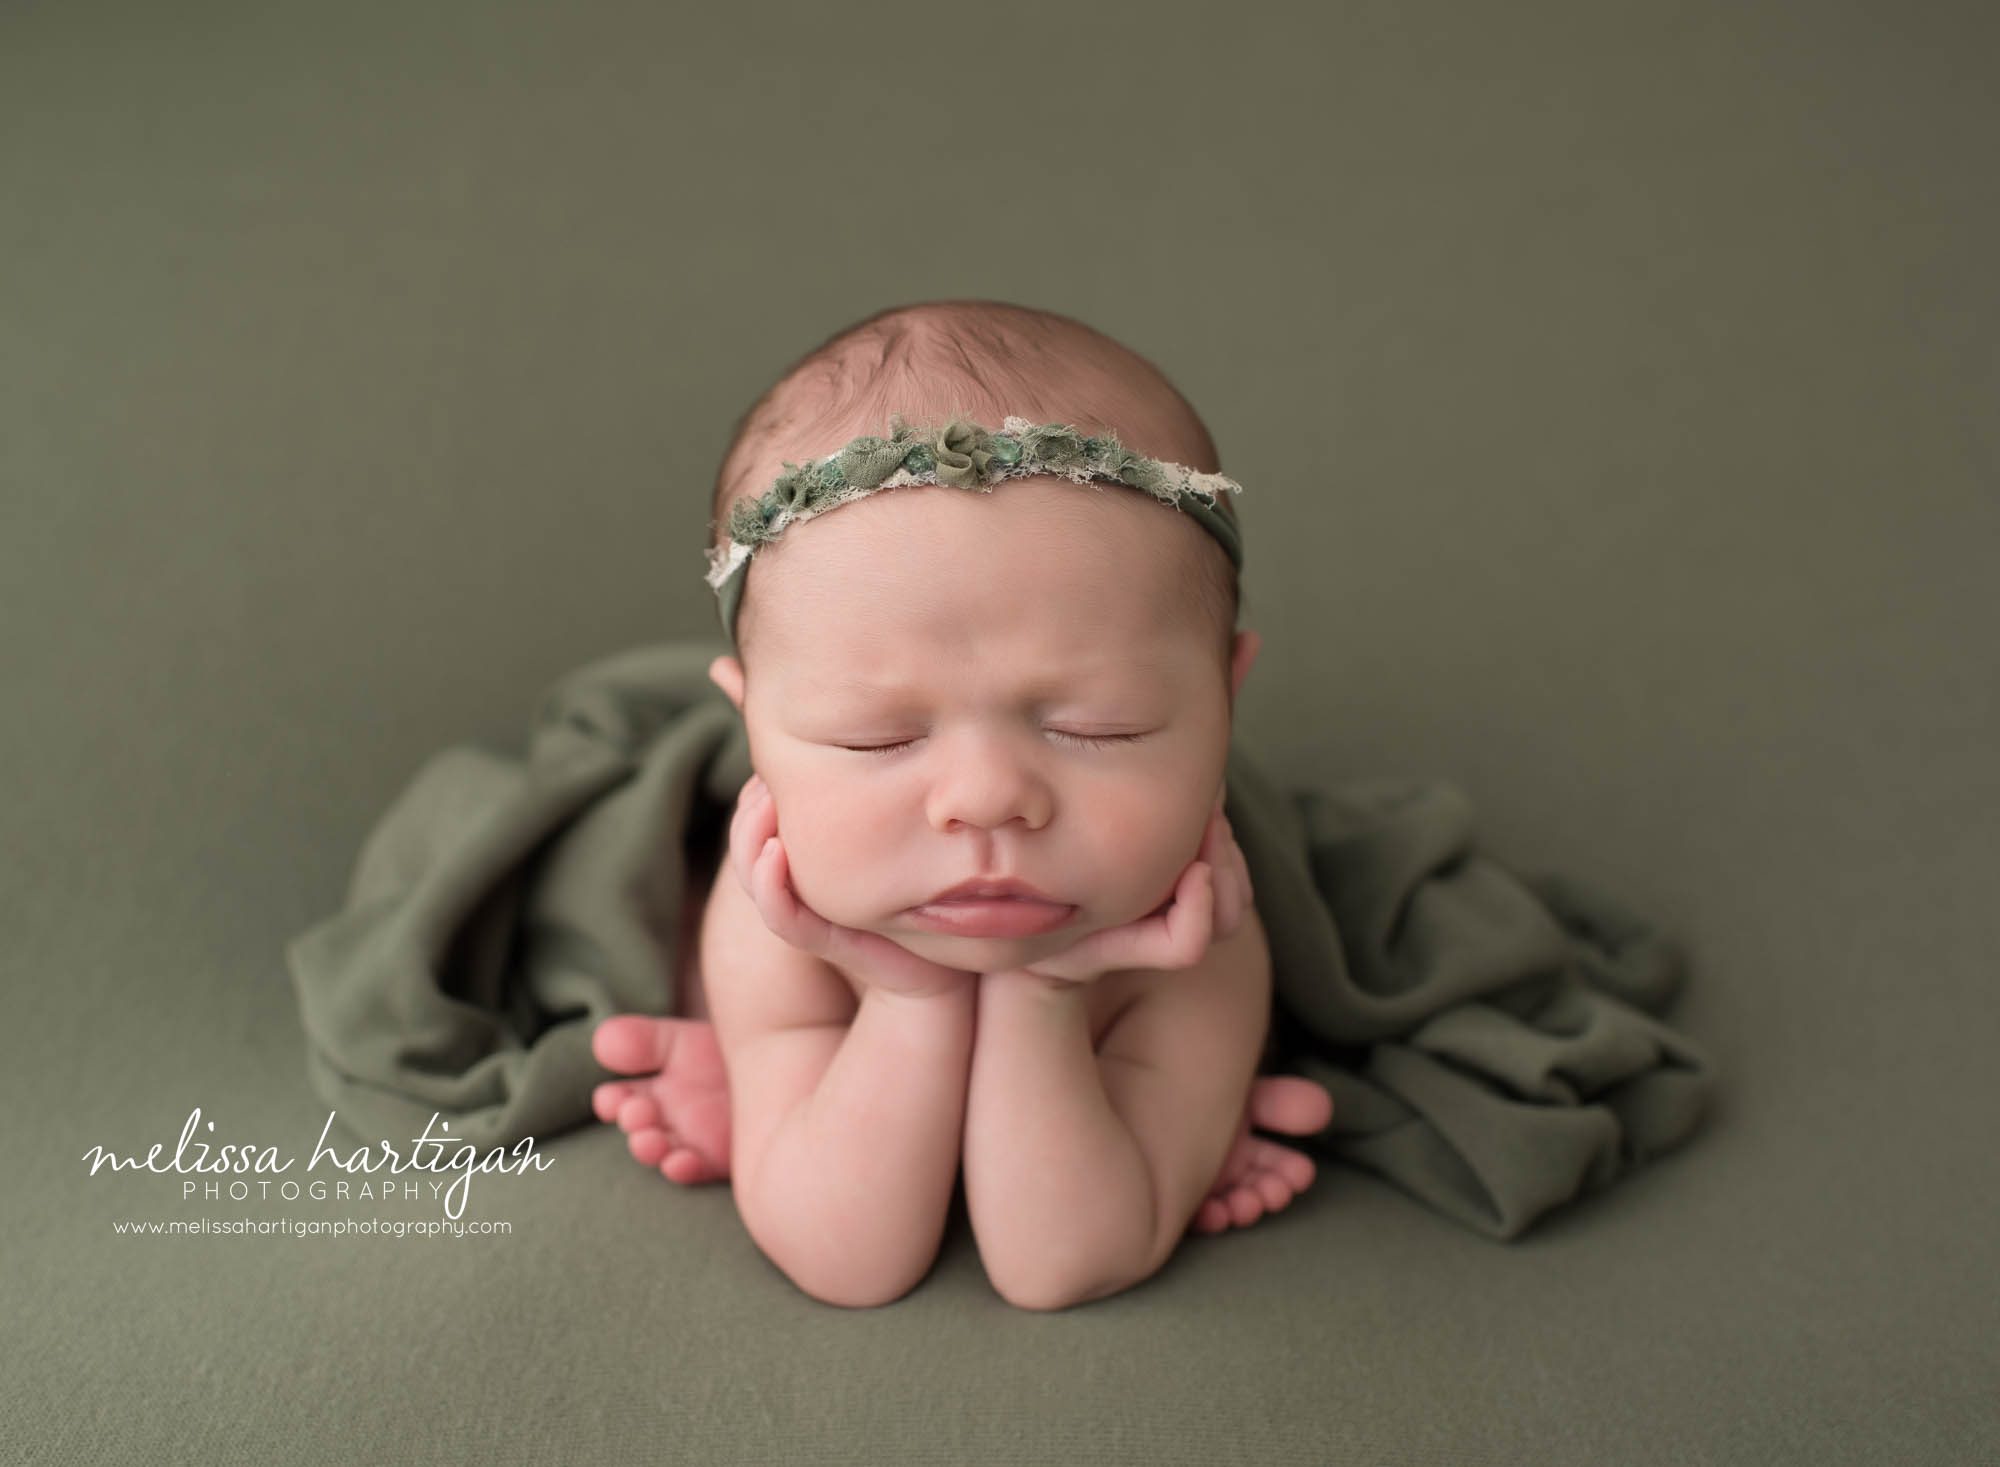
1260	1175
676	1118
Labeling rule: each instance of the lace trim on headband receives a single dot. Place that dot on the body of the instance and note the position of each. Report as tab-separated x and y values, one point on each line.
961	454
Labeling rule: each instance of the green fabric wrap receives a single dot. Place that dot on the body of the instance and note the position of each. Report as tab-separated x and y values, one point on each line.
1493	1043
960	455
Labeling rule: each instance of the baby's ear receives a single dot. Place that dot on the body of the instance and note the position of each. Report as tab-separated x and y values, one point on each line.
727	674
1247	645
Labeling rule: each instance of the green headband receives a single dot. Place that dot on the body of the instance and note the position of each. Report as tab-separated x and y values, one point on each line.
965	456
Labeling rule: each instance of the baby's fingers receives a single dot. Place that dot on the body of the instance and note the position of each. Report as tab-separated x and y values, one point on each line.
1175	938
783	912
1189	924
1232	882
1218	849
753	825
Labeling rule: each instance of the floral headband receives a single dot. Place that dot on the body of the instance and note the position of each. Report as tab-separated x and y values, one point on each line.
965	456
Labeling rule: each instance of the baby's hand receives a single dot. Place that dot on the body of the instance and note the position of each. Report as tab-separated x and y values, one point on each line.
758	858
1208	902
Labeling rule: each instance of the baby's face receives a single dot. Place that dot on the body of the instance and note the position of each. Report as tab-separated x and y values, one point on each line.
946	685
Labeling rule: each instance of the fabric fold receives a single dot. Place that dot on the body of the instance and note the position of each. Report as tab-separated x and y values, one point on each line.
1494	1044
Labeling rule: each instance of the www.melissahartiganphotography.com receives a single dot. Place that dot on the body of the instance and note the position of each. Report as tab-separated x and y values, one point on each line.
309	1227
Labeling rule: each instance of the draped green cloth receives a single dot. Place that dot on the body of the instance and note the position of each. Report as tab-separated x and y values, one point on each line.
1493	1042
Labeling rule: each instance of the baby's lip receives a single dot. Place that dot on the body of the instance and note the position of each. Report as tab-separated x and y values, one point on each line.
993	888
1006	916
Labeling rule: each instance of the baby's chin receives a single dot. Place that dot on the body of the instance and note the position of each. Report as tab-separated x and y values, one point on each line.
984	954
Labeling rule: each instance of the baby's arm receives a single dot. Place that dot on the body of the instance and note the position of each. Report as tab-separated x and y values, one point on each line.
1082	1169
846	1120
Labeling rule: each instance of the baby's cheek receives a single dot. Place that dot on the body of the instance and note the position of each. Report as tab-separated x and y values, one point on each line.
836	844
1142	841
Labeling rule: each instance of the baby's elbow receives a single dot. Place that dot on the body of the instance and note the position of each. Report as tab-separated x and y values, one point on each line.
844	1278
1053	1291
846	1282
1063	1278
851	1293
832	1265
1045	1300
1051	1296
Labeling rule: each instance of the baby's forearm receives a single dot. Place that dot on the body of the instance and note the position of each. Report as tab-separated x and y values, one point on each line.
852	1192
1057	1188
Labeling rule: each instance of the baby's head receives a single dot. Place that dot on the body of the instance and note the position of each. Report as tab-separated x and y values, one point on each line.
1033	682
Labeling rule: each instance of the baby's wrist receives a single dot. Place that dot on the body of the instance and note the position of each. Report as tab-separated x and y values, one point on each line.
944	984
1031	986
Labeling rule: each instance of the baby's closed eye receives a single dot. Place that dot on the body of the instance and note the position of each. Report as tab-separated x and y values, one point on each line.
1061	736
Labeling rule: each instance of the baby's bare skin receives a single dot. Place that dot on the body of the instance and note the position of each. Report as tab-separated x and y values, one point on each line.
949	685
676	1114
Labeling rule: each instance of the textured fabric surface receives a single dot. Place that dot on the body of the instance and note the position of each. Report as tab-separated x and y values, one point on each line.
1493	1052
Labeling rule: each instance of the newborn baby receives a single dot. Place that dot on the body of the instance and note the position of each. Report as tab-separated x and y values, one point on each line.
946	690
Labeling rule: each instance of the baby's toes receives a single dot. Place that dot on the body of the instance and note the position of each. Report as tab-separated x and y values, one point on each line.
1291	1104
1245	1206
607	1098
650	1145
627	1044
686	1167
1294	1166
1212	1216
1274	1189
639	1112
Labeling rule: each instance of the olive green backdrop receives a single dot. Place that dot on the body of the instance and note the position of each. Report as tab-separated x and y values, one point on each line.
1615	388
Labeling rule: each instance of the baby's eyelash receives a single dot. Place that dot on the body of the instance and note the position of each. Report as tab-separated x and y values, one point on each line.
1088	740
1081	741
